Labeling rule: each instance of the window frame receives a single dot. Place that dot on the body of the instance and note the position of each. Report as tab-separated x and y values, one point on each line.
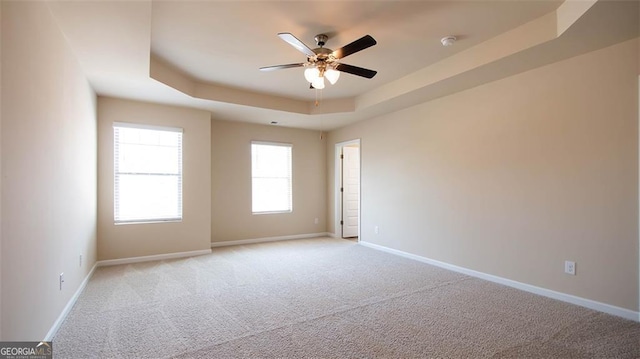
117	173
290	177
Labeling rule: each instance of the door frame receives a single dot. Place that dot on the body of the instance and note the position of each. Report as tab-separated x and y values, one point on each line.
337	184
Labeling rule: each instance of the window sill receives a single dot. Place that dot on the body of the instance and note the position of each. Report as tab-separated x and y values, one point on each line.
148	222
272	212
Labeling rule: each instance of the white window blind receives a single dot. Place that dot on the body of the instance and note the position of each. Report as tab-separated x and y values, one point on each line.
271	177
147	173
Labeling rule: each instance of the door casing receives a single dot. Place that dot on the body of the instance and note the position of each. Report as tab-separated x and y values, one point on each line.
338	182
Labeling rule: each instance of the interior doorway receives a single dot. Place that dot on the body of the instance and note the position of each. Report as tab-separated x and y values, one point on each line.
348	189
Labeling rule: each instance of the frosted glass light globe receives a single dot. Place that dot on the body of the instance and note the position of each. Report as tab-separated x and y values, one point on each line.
332	75
318	83
311	74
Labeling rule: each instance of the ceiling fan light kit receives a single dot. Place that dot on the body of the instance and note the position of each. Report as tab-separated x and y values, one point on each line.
315	76
323	63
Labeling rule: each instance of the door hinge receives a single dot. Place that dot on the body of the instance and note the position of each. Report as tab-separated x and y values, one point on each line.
341	189
341	157
341	223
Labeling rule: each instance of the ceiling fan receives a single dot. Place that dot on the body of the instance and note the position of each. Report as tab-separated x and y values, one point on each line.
323	62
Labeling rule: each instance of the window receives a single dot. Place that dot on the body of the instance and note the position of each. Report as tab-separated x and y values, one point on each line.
147	173
271	177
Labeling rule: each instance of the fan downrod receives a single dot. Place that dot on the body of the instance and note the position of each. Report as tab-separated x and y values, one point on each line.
321	39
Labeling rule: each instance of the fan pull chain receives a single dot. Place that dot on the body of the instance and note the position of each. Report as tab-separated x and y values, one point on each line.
318	102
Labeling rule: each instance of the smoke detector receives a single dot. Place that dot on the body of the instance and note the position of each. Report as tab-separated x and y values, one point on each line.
448	40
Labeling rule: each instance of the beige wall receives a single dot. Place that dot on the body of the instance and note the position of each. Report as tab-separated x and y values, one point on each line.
514	177
194	231
231	182
48	184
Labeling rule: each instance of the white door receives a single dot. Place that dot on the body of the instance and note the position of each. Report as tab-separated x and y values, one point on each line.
350	191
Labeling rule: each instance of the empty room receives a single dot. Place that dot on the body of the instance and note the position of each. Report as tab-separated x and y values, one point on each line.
327	179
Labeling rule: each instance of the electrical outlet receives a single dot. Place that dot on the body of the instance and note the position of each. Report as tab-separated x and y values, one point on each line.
570	267
376	230
316	221
61	280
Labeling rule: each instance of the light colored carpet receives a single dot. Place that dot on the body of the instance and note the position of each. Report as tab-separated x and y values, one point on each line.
324	298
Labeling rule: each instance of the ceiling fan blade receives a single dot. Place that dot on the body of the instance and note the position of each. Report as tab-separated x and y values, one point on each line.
280	67
293	41
358	45
355	70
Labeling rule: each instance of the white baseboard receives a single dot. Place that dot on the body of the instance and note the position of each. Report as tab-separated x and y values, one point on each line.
72	301
268	239
63	315
332	235
157	257
583	302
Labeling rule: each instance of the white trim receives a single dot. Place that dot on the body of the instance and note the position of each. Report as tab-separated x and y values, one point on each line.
109	262
157	257
148	127
271	143
258	159
338	181
332	235
583	302
269	239
72	301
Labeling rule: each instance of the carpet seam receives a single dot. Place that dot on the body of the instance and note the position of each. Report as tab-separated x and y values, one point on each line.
306	320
